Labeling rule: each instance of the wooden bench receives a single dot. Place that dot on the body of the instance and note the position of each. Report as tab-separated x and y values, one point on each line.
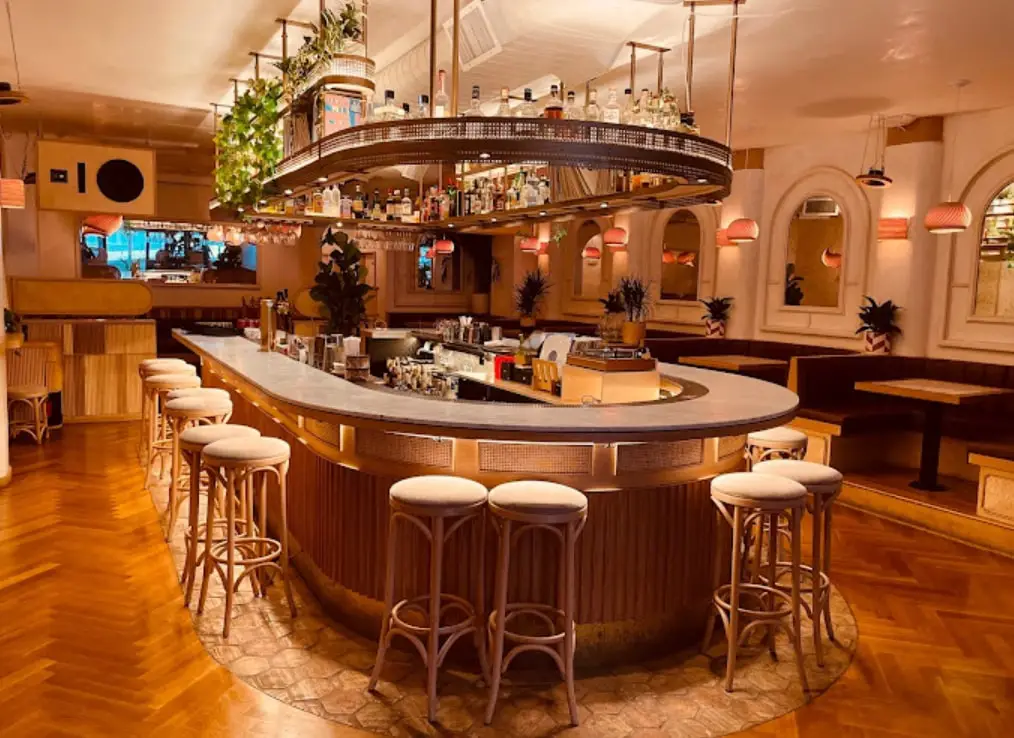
996	482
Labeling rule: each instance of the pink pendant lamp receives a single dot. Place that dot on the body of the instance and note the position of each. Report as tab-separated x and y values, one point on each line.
615	239
950	216
529	245
742	230
591	252
444	247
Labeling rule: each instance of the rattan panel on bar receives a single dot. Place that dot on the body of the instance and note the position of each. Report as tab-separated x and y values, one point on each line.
406	449
730	446
635	457
528	458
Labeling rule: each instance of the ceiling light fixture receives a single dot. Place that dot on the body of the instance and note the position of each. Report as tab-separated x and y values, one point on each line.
951	216
12	95
874	177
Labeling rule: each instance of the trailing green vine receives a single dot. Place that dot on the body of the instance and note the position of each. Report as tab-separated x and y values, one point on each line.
317	50
248	144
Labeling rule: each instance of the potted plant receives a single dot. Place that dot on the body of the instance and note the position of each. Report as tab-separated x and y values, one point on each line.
717	316
528	296
634	293
793	292
611	325
878	325
319	49
340	286
248	144
15	337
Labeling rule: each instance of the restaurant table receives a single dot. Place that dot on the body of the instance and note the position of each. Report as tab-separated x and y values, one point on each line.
934	394
732	362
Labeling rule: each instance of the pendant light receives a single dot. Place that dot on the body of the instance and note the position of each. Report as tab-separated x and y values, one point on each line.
874	177
12	191
529	245
950	216
593	253
444	247
615	239
668	257
12	95
742	230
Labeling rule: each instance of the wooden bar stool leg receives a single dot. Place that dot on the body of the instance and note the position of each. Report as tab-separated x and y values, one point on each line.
732	631
250	528
37	418
826	568
213	486
262	574
433	642
385	626
230	537
772	522
149	451
176	426
193	522
797	642
500	606
568	622
716	579
816	604
479	598
284	535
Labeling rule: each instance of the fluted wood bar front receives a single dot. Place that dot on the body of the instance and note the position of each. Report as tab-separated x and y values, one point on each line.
645	560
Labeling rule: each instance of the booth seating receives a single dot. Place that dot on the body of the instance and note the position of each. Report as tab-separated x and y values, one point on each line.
671	349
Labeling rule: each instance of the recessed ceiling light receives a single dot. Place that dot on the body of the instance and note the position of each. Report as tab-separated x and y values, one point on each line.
322	179
450	225
339	224
264	202
604	205
542	212
240	209
288	192
483	155
702	180
494	220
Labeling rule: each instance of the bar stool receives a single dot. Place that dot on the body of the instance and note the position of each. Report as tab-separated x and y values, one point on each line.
238	464
192	442
199	392
156	388
532	505
775	443
181	413
823	485
149	367
36	424
438	506
742	498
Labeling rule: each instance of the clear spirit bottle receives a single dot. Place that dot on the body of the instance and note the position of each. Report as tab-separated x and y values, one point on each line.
475	106
611	113
643	116
592	111
629	108
571	111
423	108
527	108
503	109
441	102
406	204
553	109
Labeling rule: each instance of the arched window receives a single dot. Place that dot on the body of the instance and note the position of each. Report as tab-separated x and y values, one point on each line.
994	284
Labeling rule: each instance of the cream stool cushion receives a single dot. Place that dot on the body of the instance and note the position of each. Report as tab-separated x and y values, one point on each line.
244	451
817	478
27	391
161	359
202	435
750	489
200	392
172	381
538	498
198	404
782	436
167	366
438	491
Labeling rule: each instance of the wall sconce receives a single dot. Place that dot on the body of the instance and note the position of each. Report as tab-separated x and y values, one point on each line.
12	194
722	237
444	247
591	252
743	230
615	239
892	229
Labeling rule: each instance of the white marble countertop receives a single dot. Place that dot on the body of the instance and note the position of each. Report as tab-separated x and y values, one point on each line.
732	405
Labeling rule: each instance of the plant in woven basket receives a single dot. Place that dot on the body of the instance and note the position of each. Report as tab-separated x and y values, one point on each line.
340	286
530	293
877	323
248	145
318	49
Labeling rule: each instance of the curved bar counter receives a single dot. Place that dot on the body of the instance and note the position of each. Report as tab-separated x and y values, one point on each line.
646	560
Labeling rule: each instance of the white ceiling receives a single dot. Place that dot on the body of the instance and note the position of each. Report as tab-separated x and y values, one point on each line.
806	68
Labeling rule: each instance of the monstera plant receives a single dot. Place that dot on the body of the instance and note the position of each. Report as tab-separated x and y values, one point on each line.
248	145
340	286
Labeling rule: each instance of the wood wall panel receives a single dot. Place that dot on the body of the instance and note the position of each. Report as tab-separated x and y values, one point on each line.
644	562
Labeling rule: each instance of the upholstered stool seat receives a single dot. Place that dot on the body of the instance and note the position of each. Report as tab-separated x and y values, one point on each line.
242	466
781	442
166	366
192	442
744	499
36	424
199	392
823	485
180	414
517	508
438	506
150	367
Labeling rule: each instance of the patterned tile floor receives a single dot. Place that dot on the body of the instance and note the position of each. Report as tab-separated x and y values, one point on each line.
319	666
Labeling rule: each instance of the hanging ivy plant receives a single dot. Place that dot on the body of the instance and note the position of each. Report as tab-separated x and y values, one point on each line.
248	144
317	50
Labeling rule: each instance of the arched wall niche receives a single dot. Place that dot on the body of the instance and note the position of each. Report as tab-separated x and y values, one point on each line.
959	326
684	312
838	321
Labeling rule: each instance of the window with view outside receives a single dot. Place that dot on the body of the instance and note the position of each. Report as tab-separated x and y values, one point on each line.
994	284
169	253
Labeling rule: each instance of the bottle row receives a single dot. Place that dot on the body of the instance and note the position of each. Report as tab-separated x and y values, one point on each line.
648	109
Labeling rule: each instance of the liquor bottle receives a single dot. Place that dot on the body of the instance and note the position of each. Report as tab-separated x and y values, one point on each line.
629	114
377	213
318	202
611	111
474	107
530	191
406	111
543	191
444	210
503	110
499	198
553	109
406	204
434	203
345	209
441	102
387	110
359	203
332	201
527	108
423	109
454	199
571	111
643	115
592	111
389	205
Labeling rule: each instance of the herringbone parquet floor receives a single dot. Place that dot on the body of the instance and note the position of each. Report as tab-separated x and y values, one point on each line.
94	640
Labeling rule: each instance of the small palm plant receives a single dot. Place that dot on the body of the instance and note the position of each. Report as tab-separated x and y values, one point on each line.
877	323
530	293
717	315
